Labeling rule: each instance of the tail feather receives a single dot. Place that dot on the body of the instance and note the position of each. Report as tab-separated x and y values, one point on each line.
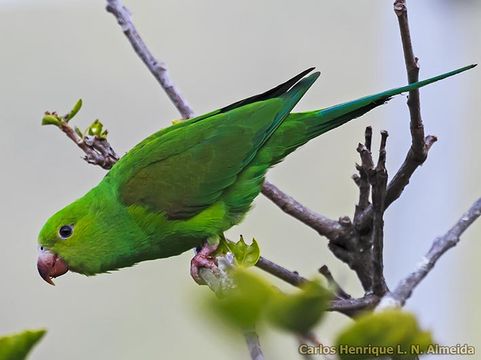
382	97
299	128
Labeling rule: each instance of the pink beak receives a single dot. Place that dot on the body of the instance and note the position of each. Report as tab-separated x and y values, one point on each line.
50	265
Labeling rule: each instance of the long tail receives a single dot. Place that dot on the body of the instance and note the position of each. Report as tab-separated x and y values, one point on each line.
296	130
299	128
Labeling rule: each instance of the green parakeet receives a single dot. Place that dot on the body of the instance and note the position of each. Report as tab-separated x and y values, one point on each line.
191	181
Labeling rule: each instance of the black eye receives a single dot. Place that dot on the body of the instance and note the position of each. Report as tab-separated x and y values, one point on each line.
65	231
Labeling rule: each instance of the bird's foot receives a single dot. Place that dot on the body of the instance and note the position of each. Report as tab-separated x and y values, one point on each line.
203	259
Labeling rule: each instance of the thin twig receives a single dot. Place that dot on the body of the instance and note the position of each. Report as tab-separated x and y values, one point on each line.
338	290
361	180
280	272
353	307
156	67
378	180
412	69
420	145
327	227
253	345
440	245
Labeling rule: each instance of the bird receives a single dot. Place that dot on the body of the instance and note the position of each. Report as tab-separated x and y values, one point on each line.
185	185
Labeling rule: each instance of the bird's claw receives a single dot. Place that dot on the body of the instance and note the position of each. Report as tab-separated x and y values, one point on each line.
203	259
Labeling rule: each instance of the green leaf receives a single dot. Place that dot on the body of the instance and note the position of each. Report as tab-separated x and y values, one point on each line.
244	306
74	111
374	334
17	346
49	119
245	255
301	311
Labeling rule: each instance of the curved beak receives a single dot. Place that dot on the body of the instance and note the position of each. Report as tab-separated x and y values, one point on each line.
50	265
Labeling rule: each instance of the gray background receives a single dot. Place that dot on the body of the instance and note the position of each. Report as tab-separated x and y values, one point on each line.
53	52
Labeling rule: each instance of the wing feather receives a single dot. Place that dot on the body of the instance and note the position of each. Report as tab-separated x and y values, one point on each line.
182	170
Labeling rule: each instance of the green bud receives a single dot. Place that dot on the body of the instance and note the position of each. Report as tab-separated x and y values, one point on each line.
95	128
78	132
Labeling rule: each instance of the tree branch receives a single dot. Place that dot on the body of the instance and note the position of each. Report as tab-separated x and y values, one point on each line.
420	145
280	272
342	302
353	307
440	245
378	180
361	180
324	226
253	345
93	142
412	69
338	290
97	151
156	67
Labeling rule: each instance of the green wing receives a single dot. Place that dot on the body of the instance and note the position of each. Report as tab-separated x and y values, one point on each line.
186	169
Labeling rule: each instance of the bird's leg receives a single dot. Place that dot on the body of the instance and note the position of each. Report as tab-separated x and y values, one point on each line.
203	259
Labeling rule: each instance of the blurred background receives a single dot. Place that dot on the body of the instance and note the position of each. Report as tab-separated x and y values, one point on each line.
54	52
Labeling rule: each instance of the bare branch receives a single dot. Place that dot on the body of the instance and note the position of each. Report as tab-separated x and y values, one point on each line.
378	180
412	68
330	228
253	345
345	305
280	272
440	245
156	67
353	307
361	180
338	290
420	145
362	249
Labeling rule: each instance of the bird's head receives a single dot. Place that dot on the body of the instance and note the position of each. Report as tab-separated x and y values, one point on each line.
62	241
84	237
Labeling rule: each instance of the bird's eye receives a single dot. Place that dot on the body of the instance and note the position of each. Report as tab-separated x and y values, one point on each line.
65	231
